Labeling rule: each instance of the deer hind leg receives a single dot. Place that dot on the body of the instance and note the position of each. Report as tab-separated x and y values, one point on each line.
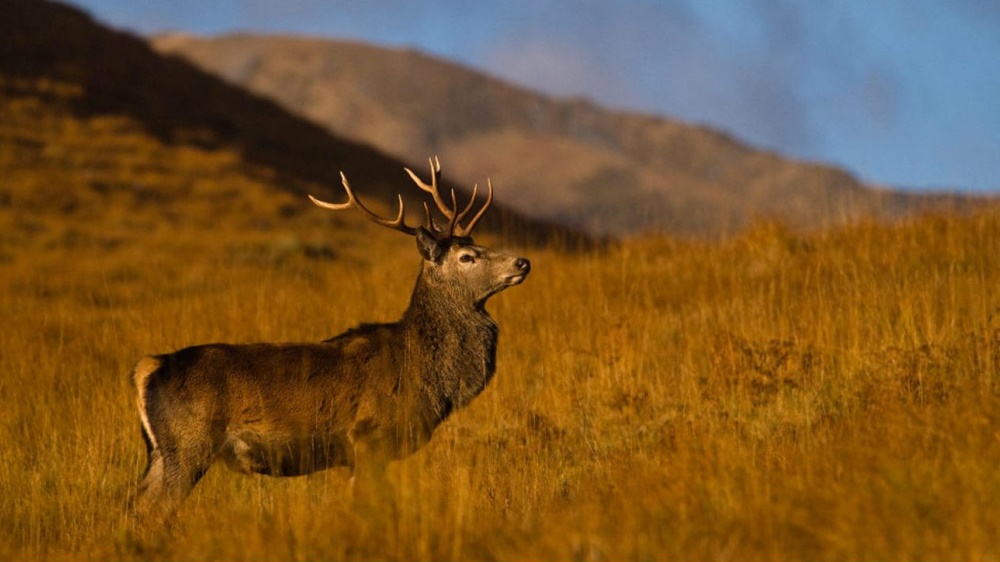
180	449
170	477
149	503
176	462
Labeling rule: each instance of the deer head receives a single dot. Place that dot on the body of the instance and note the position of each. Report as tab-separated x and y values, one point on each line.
453	263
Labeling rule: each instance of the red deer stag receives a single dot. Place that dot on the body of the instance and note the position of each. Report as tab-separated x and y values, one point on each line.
370	395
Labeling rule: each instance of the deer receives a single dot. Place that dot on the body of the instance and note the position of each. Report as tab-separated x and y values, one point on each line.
368	396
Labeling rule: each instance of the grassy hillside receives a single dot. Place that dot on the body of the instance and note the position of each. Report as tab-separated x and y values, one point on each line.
779	396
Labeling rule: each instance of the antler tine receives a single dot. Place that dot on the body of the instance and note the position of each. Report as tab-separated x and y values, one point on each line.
452	216
467	230
431	225
468	207
354	202
433	187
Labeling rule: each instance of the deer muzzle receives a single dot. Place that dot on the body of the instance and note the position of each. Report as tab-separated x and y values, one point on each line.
521	269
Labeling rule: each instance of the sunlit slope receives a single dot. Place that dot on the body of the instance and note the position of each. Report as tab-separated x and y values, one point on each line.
780	396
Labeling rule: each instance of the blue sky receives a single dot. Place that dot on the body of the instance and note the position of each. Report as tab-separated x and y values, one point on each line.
900	92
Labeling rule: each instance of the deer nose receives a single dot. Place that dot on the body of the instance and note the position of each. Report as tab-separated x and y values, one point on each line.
523	265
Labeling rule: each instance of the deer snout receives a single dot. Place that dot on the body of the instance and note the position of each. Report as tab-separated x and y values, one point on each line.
521	268
522	265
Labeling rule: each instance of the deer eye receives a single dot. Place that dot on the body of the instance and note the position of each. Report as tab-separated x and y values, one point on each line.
467	258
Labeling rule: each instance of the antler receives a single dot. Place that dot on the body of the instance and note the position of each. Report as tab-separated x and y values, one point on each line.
353	202
433	187
465	231
450	212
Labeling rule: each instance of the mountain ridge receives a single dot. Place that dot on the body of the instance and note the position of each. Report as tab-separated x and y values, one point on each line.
610	172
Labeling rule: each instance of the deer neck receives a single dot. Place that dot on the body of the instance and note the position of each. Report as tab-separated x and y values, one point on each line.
451	346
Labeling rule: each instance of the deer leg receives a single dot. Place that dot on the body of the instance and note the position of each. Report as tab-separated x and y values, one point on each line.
168	481
149	504
368	482
371	496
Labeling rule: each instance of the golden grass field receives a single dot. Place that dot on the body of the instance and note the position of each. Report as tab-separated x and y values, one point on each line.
778	395
786	397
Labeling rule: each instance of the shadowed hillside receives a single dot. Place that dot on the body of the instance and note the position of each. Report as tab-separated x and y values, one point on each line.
565	160
59	69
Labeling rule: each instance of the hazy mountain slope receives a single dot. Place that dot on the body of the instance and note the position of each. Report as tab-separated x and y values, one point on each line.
94	114
567	160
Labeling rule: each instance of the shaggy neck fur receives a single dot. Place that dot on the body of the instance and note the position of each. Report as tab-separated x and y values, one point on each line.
453	340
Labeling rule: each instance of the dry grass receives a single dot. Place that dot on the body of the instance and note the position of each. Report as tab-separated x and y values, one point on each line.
776	396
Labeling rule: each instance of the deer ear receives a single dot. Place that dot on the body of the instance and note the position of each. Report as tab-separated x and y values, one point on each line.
429	246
